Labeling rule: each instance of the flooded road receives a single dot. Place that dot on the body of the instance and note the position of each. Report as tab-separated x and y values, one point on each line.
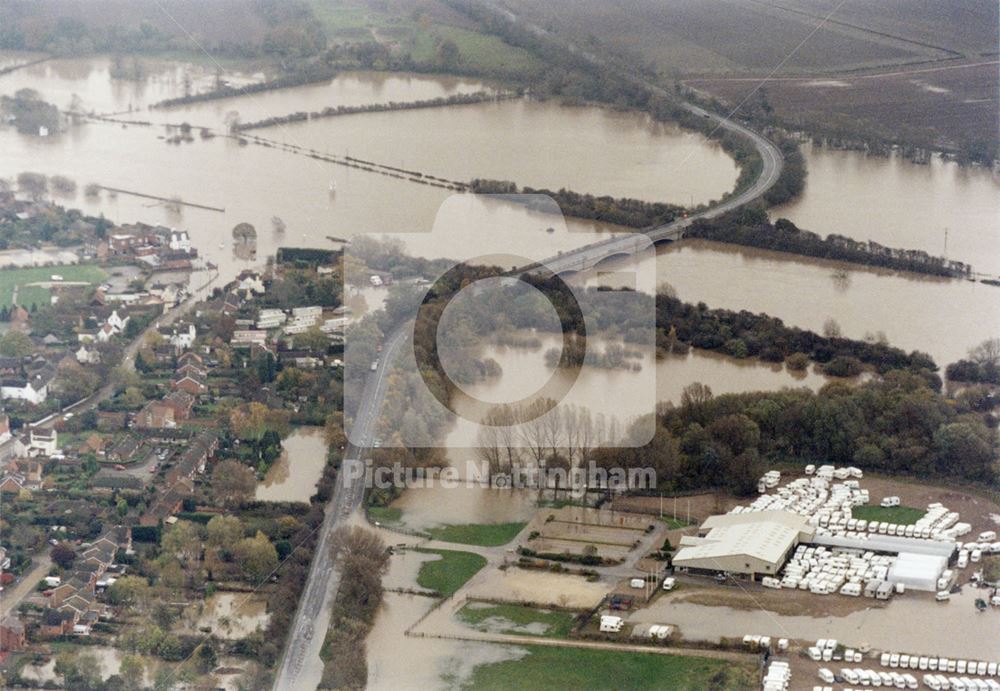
902	204
294	475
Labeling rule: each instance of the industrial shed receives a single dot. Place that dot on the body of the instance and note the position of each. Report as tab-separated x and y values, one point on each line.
917	571
750	544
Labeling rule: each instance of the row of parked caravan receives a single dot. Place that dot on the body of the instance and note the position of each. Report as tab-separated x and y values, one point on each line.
935	682
755	642
823	571
939	664
777	677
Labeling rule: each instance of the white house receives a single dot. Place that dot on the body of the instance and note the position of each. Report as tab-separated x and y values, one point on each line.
180	241
105	333
252	283
43	442
4	428
34	390
116	322
87	357
182	340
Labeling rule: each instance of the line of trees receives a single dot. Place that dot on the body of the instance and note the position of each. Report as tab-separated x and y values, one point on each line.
981	367
334	111
362	558
745	334
893	425
310	74
623	211
750	227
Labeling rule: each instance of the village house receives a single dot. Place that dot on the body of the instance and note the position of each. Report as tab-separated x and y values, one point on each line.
155	415
190	382
12	634
181	402
20	382
43	442
87	356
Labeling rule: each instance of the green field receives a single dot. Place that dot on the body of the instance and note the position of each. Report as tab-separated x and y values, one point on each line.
9	278
419	34
517	619
485	534
385	515
900	515
579	668
448	574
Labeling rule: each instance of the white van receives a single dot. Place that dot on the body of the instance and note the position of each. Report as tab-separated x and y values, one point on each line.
826	675
889	502
669	583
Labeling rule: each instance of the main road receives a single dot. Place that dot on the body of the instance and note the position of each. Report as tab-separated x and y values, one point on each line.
300	667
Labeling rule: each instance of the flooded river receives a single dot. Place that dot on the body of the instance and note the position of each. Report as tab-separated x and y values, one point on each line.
294	475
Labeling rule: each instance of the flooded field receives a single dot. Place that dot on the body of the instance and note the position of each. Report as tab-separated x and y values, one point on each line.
109	661
540	144
953	629
942	317
426	507
539	587
229	615
294	475
902	204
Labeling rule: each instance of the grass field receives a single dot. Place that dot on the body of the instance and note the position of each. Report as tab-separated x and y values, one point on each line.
517	619
900	515
448	574
386	515
579	669
9	278
418	31
485	534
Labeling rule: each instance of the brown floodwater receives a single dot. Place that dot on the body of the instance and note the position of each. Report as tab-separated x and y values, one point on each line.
942	317
902	204
294	475
540	144
952	629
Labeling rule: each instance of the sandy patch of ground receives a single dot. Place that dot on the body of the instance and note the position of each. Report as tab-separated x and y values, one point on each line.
538	587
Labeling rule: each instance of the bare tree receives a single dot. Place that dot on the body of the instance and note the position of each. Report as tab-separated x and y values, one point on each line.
987	352
831	329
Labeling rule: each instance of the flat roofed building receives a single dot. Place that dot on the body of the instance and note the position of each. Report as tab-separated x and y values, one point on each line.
750	544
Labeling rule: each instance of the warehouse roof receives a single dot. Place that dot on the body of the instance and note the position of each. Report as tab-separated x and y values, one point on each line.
765	535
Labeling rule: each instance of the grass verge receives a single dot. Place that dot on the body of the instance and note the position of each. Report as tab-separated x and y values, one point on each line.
450	572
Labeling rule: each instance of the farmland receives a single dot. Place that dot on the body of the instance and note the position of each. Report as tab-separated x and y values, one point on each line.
748	37
947	106
548	668
38	295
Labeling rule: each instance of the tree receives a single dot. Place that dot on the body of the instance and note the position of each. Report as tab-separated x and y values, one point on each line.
222	532
986	353
233	482
132	671
63	555
16	344
129	591
313	340
80	671
182	541
448	54
831	329
256	556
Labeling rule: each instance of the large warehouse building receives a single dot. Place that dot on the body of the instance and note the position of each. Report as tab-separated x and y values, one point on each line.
749	544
